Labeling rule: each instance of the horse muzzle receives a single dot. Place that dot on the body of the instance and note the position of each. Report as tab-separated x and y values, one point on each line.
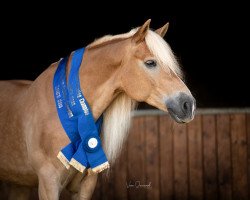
181	107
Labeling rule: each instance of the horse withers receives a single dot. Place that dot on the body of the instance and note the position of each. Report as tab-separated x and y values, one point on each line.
115	73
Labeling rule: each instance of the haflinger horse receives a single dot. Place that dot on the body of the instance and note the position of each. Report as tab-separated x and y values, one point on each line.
115	73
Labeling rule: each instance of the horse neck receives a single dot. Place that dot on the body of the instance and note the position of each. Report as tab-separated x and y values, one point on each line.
99	75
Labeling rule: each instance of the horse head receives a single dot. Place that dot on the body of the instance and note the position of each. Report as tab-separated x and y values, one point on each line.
150	73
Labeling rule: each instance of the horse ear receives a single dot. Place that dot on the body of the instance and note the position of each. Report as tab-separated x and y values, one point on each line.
141	33
163	30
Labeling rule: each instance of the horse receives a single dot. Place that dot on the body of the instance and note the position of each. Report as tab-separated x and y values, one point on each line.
116	73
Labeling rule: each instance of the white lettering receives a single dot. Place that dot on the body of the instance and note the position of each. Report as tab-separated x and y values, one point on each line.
59	103
70	114
84	106
58	94
79	93
72	101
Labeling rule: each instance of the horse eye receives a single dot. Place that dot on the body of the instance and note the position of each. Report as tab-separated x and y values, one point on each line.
150	63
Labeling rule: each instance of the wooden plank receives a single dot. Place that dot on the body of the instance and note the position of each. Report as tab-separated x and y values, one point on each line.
152	157
248	152
5	190
166	158
180	161
224	156
239	156
136	160
195	159
120	179
209	157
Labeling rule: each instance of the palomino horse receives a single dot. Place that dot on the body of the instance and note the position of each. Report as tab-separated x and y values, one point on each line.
116	71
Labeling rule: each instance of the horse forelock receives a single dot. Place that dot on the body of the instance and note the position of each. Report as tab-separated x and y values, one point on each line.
162	51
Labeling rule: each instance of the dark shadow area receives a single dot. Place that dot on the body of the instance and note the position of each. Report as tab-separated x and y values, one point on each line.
209	41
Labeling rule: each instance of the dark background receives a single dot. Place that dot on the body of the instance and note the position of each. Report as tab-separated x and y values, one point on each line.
210	41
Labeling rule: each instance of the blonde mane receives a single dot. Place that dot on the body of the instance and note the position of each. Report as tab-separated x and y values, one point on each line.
109	38
117	116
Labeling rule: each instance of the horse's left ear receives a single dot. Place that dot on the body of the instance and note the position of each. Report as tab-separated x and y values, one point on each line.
141	33
163	30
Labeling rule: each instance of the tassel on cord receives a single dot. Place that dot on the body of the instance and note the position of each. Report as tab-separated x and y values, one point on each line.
63	159
101	167
77	165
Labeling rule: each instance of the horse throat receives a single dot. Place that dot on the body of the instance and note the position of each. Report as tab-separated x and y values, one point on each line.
99	77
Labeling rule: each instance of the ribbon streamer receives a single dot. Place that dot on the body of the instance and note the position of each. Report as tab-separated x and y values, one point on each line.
85	149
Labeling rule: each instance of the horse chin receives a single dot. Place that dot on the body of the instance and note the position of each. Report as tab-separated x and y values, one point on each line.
178	119
175	117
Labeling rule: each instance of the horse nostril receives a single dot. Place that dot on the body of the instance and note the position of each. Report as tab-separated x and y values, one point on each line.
186	106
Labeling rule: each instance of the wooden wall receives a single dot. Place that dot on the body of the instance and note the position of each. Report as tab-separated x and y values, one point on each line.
208	159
